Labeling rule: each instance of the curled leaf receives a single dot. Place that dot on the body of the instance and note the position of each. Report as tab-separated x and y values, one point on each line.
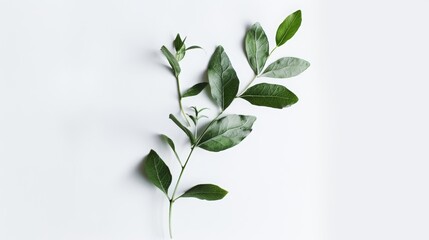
171	60
193	47
169	142
184	129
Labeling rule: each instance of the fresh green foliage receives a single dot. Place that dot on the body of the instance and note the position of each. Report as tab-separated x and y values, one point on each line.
172	60
180	47
157	171
195	90
169	142
223	79
193	47
184	129
270	95
225	130
288	28
257	48
208	192
178	43
172	146
286	67
197	115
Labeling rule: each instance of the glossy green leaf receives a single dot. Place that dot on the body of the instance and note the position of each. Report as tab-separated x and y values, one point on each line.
257	48
193	47
195	90
226	132
288	28
180	55
208	192
169	142
180	47
178	43
184	129
157	171
171	60
172	146
286	67
223	79
270	95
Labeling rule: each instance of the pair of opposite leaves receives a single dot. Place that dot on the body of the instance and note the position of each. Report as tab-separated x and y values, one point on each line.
230	130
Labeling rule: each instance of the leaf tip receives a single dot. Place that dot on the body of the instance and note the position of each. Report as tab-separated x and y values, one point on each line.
220	48
163	136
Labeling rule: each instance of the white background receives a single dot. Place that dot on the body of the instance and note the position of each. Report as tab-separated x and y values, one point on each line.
84	91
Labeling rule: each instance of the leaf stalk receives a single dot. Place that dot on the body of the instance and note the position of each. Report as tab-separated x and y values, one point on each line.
179	93
256	76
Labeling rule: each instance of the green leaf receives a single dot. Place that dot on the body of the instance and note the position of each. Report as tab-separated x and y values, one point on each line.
193	47
172	61
195	90
178	43
184	129
180	47
286	67
270	95
198	111
194	119
288	28
180	55
208	192
169	142
157	171
257	48
172	146
223	79
226	132
195	111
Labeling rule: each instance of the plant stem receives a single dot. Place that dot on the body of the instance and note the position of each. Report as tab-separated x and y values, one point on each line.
256	75
172	199
272	51
205	130
181	172
248	85
178	158
169	218
179	93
